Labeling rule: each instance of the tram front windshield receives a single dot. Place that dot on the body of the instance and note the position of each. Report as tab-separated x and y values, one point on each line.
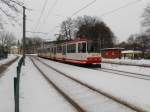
93	47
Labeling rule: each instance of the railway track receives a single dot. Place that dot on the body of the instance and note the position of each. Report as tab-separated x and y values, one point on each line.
82	96
124	73
122	63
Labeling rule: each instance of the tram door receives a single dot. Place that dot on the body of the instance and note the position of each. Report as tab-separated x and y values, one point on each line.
64	50
54	51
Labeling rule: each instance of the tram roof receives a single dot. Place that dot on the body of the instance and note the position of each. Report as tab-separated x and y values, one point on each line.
131	52
76	40
55	43
115	48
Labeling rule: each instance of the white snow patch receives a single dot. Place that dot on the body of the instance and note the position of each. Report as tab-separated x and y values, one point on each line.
7	89
127	68
135	91
128	61
88	99
37	95
10	57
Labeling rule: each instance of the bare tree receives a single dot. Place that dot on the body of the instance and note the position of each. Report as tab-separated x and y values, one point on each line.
85	20
7	39
95	29
9	8
131	39
32	44
137	42
143	41
88	27
67	29
146	18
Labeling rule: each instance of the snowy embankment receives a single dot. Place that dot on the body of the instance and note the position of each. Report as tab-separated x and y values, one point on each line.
7	88
37	95
10	57
141	62
87	99
127	68
131	90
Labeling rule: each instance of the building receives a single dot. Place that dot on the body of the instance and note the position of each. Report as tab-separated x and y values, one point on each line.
131	54
111	53
15	50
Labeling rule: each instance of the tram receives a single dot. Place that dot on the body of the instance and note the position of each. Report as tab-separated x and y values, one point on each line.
77	51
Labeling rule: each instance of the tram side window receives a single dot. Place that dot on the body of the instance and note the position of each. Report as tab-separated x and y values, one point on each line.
54	50
64	49
68	48
93	47
82	47
59	49
49	49
71	48
46	50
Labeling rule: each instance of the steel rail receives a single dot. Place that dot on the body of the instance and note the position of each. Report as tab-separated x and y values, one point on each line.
73	103
3	67
121	63
108	95
124	73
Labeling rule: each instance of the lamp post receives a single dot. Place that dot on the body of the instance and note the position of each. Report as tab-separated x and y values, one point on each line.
24	33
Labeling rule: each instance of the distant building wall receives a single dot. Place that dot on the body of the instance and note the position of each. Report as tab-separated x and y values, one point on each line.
111	53
131	54
15	50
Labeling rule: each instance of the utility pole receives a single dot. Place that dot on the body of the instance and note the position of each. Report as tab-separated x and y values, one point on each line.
24	34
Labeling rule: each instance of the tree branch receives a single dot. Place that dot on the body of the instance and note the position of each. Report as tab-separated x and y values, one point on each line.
8	15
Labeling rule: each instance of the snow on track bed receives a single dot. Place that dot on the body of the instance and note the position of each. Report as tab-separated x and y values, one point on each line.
37	95
88	99
131	90
124	73
131	62
7	89
127	68
4	66
10	57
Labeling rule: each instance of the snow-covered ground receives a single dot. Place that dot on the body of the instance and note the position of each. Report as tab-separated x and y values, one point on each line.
128	61
37	95
7	88
131	90
127	68
10	57
89	100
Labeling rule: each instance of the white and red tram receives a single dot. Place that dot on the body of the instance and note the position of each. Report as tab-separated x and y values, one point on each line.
78	51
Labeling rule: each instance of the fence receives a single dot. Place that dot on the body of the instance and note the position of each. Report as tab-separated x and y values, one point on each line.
16	84
3	55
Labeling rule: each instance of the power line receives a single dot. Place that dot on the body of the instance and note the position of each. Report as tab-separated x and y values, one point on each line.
83	8
50	10
124	6
58	15
87	5
107	13
20	4
37	32
42	11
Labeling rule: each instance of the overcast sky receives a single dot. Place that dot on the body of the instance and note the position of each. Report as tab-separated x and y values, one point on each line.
123	22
